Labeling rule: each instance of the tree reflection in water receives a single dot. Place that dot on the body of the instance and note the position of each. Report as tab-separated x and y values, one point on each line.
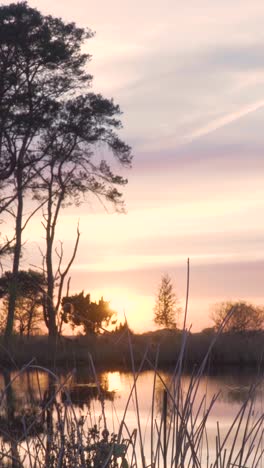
19	414
83	389
54	418
31	404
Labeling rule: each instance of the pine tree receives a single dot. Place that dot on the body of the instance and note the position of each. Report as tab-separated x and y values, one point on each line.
51	125
166	310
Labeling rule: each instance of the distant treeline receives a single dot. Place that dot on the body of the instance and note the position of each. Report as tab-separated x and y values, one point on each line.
115	350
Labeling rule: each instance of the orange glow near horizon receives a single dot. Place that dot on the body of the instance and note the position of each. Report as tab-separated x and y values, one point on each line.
137	310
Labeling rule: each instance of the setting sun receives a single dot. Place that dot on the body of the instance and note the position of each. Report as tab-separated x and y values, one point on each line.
113	380
137	310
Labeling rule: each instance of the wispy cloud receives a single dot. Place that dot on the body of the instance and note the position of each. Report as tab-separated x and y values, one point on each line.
223	121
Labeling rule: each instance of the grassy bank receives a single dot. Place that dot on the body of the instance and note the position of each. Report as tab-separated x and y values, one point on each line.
112	351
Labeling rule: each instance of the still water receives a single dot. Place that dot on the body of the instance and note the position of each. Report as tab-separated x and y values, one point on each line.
23	396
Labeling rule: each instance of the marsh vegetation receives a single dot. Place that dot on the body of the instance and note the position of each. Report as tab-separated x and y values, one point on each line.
150	418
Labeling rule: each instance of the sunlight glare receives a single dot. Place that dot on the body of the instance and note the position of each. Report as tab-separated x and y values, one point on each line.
135	308
114	381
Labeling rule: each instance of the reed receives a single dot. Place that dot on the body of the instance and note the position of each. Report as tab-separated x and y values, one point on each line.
59	436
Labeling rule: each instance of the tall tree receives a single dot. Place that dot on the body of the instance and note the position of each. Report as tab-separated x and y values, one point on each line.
47	126
40	61
166	309
72	170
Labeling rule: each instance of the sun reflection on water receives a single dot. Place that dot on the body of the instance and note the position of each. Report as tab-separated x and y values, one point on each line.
113	380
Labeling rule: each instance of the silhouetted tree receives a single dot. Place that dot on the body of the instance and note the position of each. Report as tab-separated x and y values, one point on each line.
243	316
79	310
71	172
166	310
40	62
122	327
48	129
31	290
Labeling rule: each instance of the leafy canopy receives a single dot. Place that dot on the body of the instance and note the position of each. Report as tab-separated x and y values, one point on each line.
48	120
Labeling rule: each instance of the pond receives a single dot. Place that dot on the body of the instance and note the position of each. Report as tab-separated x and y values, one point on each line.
109	397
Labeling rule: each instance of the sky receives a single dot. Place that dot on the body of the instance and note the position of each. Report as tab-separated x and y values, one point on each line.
189	78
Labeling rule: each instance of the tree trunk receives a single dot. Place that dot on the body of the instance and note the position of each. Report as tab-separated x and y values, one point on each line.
50	287
16	260
30	319
50	306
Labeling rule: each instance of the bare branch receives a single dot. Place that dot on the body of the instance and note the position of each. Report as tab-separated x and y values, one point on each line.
66	271
33	213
